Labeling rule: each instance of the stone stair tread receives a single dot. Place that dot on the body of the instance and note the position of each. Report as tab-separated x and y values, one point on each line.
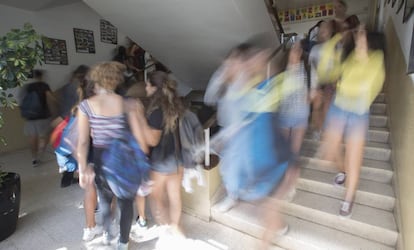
375	134
302	234
364	214
372	150
378	108
364	185
368	144
379	171
308	155
379	129
375	129
378	120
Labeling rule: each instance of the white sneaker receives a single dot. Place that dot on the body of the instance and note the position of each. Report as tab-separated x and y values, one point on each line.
226	204
283	231
122	246
106	238
90	233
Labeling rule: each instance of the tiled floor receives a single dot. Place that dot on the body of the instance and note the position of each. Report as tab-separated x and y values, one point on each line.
52	217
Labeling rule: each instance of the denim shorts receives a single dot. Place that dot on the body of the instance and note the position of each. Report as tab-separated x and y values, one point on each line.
292	121
350	123
167	166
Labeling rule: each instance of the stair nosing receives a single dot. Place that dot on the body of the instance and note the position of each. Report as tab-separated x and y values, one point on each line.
317	164
300	194
361	197
294	236
371	232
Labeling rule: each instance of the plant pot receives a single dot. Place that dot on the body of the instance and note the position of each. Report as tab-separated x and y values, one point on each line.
9	204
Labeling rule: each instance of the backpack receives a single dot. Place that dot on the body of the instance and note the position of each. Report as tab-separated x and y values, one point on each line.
191	135
125	166
56	135
32	107
64	143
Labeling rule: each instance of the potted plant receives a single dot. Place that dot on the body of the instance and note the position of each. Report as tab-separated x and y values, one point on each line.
20	51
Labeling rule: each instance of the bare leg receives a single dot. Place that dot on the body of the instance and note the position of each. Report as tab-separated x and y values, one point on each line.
285	133
34	146
174	197
331	146
317	112
90	202
354	154
296	139
140	204
269	208
157	198
273	223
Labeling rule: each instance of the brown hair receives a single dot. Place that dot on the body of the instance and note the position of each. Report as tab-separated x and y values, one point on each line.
165	98
85	88
107	75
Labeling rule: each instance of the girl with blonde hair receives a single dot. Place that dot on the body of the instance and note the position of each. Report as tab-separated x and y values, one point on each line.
104	117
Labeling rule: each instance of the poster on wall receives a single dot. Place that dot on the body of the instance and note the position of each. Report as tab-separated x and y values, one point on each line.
310	12
109	33
56	51
84	41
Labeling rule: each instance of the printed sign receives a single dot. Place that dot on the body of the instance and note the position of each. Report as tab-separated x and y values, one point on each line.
84	41
56	51
303	14
109	33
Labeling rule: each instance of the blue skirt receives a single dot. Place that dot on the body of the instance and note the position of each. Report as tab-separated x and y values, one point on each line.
255	160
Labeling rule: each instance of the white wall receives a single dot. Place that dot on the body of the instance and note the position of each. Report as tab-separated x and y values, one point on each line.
59	23
357	7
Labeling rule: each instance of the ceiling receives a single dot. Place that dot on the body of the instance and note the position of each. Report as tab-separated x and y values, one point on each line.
190	37
34	5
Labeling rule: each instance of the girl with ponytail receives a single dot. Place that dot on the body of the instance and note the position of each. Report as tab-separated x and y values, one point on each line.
163	114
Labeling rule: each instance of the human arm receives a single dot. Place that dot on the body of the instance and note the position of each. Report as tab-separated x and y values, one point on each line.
313	58
86	174
152	129
135	121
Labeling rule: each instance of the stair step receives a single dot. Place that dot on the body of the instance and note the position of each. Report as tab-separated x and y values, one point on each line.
370	193
302	234
378	109
367	222
380	135
380	98
379	121
372	151
378	171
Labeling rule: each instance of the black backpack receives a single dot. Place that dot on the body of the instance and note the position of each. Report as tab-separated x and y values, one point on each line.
32	107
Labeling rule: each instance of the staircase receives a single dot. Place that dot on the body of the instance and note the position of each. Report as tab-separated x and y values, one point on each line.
312	215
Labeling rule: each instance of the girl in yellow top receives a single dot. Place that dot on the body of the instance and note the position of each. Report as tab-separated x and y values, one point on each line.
362	77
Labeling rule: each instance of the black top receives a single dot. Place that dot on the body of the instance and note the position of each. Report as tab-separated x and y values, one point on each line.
167	145
41	88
